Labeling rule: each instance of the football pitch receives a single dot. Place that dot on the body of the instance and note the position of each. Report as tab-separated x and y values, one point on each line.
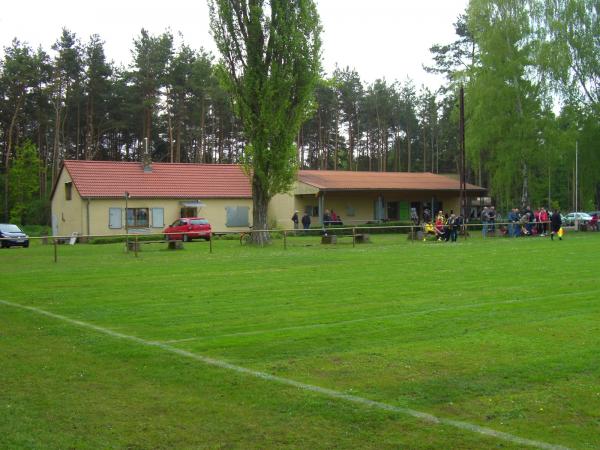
393	344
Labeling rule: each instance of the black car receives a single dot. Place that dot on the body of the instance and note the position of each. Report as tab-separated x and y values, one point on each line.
11	235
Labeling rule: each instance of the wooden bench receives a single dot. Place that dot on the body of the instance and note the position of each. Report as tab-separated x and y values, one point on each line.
175	245
361	238
136	246
329	239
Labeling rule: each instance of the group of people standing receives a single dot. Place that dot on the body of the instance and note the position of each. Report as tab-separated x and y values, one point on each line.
488	220
444	228
525	222
540	222
329	218
305	220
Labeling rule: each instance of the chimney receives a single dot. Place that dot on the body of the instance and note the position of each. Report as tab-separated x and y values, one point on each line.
146	159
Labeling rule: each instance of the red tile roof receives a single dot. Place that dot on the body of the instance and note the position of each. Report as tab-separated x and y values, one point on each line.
327	180
111	179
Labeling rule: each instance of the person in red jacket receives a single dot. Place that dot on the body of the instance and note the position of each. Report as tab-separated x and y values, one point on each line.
544	221
440	223
593	225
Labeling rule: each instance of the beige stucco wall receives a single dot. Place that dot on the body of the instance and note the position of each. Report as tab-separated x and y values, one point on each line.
214	212
67	215
362	203
72	216
304	189
281	209
282	206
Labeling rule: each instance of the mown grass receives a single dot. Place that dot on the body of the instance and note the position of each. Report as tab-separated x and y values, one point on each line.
500	333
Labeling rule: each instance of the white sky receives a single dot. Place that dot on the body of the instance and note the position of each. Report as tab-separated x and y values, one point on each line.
379	38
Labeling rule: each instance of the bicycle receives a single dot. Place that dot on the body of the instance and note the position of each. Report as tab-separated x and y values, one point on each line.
245	237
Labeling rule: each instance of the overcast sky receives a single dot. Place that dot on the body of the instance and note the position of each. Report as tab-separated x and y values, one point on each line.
379	38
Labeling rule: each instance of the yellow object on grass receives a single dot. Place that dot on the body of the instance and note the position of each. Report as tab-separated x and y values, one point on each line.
561	232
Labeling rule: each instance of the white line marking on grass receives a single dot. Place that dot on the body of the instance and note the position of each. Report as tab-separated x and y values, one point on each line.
367	319
466	426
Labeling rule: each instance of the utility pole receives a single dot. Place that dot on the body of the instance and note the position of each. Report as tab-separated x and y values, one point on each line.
576	174
126	223
576	184
463	183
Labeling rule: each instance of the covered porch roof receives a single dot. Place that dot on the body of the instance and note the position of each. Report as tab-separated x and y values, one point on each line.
325	180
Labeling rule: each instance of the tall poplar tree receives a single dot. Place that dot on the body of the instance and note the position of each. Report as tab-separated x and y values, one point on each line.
271	57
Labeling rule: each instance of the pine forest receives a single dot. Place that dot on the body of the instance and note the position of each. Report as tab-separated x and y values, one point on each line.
530	71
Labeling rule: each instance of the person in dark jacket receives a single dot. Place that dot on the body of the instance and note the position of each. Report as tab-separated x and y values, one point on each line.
453	225
513	222
555	224
306	221
326	218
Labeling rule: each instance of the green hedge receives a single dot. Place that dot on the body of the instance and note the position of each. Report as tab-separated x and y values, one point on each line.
117	239
36	230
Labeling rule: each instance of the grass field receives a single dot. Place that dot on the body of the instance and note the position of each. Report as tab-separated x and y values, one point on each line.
484	335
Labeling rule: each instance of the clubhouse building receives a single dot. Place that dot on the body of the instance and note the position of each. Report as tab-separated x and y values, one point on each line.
105	197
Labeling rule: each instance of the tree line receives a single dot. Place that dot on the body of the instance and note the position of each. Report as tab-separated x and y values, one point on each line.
531	73
516	60
71	102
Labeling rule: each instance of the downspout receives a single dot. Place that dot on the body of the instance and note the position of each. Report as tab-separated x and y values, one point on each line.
87	213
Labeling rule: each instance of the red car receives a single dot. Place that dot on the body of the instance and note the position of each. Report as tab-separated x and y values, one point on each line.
188	228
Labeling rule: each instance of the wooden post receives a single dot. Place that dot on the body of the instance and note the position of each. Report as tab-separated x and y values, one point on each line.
284	240
210	243
353	237
175	245
135	248
126	225
55	250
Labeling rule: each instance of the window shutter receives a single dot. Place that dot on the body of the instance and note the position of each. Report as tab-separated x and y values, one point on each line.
114	218
158	217
237	216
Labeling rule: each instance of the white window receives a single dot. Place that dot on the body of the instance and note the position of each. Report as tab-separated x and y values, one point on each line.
114	218
158	217
137	217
